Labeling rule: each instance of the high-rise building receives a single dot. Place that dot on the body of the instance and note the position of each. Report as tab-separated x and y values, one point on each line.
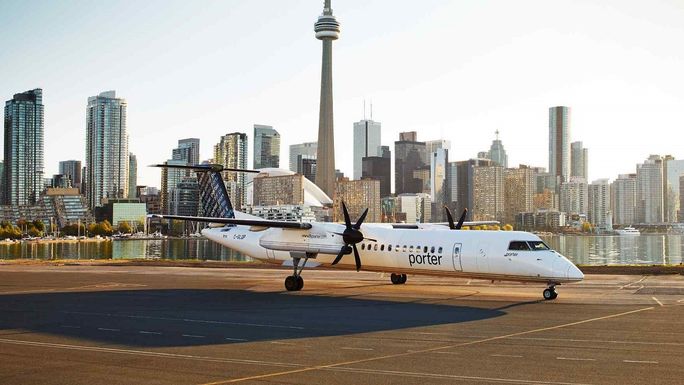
672	170
439	182
579	160
132	175
623	199
106	148
497	153
187	150
681	199
437	144
278	190
72	169
357	196
518	192
409	156
306	165
559	142
366	143
574	196
327	29
24	137
488	193
379	168
170	178
650	190
464	186
306	150
416	208
184	198
600	214
266	147
231	152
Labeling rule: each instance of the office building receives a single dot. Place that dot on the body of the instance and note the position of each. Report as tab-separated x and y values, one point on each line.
357	196
231	152
409	156
379	168
73	170
60	181
650	190
415	208
488	193
600	214
306	150
439	182
170	178
327	29
184	198
187	150
106	148
672	170
278	190
579	160
464	186
24	137
366	143
623	199
306	165
681	199
497	153
132	175
439	144
574	196
559	142
519	191
266	147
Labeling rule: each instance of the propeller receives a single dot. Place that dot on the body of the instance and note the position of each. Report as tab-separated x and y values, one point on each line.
351	236
450	218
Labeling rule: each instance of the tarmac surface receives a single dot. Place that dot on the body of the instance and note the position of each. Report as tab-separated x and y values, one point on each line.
168	325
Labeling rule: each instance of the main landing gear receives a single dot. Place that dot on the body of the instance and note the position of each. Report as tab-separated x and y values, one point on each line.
550	293
295	282
398	279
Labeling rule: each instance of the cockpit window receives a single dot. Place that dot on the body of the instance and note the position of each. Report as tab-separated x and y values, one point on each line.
538	245
518	245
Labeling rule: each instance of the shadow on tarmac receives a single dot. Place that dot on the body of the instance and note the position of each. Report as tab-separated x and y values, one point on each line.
191	317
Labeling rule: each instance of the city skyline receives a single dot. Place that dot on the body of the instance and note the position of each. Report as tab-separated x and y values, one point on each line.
449	99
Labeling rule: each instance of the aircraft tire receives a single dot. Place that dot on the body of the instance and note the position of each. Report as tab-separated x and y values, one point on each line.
403	279
395	278
549	294
291	283
300	283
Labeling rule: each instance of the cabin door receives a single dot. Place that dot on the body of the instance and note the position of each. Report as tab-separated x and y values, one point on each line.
457	257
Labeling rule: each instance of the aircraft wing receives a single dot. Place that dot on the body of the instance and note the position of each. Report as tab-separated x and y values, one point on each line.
234	221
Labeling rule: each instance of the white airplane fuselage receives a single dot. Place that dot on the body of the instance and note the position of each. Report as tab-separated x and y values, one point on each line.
429	249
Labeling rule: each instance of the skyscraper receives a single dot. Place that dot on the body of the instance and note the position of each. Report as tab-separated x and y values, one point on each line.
672	170
464	184
231	152
188	150
327	29
574	196
24	136
518	192
71	168
579	160
358	195
600	214
132	175
624	199
649	192
488	193
409	156
266	147
306	150
366	143
497	153
378	167
439	187
106	148
559	142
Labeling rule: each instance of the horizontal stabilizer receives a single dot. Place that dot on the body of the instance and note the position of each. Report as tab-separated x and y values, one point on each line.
234	221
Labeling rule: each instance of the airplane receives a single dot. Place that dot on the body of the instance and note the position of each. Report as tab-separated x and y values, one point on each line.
398	249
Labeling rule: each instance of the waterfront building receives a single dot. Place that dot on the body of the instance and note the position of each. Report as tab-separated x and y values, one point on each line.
623	199
378	167
73	170
680	214
574	196
306	150
151	197
327	29
488	193
579	160
559	142
673	170
231	152
542	220
464	186
439	186
357	195
132	175
184	198
118	210
649	192
56	206
518	192
409	156
170	178
106	148
600	214
414	208
22	180
497	153
366	143
278	190
266	147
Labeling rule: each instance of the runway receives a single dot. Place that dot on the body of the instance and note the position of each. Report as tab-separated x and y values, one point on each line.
168	325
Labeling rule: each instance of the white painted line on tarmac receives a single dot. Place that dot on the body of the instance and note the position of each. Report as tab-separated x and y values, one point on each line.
575	359
283	343
235	339
658	302
146	332
640	362
350	348
108	330
70	326
192	336
418	351
507	355
681	300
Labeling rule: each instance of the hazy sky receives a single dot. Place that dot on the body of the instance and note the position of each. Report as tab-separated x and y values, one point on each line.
457	70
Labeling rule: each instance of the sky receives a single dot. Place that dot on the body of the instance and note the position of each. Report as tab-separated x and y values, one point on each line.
456	70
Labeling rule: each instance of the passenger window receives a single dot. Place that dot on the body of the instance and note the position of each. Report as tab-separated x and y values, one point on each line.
440	250
396	248
363	246
382	247
432	249
389	247
518	245
375	247
424	249
404	248
410	249
538	245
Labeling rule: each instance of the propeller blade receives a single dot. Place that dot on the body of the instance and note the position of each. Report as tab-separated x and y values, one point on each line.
461	219
347	221
339	256
450	218
361	219
357	258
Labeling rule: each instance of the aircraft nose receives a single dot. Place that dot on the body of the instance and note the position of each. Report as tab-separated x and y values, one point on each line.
574	273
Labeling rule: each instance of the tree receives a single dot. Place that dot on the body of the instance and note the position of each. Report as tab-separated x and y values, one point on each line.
124	227
507	227
586	227
39	225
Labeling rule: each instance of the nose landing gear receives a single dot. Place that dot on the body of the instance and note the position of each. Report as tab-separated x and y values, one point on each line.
550	293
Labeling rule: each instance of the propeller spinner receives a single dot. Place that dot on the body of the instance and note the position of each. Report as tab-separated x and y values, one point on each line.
351	236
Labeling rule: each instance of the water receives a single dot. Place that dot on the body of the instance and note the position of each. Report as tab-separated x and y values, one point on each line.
587	250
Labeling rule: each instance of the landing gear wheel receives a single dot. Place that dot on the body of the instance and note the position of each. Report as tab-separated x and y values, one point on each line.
403	279
292	284
398	279
300	282
550	294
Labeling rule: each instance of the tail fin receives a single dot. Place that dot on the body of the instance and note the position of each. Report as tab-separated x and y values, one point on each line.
212	189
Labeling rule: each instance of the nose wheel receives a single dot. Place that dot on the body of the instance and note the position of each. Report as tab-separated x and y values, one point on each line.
550	293
295	282
398	279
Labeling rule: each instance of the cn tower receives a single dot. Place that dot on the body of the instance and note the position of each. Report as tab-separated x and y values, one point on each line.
327	29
